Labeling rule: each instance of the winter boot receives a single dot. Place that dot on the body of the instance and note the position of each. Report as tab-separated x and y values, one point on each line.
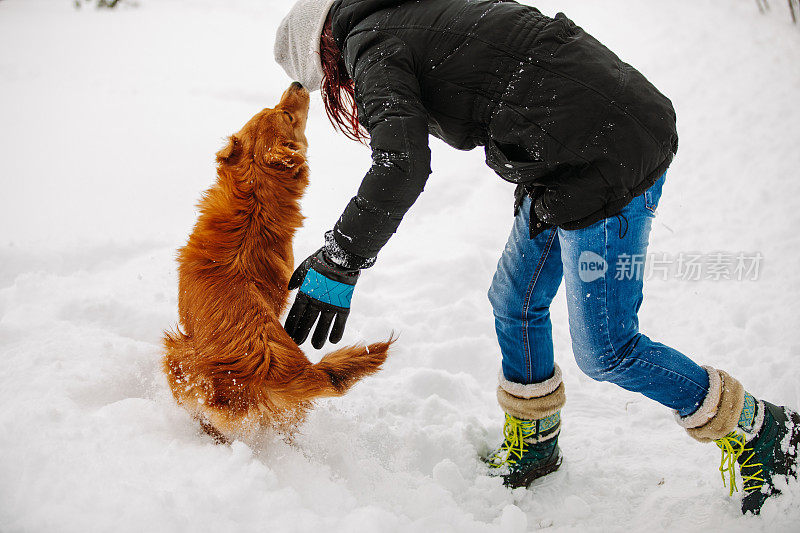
533	422
770	455
765	452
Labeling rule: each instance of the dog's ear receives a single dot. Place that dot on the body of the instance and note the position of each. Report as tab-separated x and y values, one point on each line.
231	151
284	157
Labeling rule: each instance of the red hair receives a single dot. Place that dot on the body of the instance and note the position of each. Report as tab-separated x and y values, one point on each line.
338	89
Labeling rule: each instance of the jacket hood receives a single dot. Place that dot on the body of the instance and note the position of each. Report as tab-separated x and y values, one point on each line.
348	13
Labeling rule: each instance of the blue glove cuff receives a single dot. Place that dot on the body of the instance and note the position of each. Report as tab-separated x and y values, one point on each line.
326	290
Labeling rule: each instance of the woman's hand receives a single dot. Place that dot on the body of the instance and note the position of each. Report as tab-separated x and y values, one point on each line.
325	293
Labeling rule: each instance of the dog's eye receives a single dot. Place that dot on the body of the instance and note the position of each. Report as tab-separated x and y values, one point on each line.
288	116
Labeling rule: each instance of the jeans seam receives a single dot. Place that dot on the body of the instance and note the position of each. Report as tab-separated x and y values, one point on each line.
605	295
526	303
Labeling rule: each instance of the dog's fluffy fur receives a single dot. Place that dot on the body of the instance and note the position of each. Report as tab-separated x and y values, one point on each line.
231	364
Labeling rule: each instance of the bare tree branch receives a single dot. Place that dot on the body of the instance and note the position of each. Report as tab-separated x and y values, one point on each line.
794	8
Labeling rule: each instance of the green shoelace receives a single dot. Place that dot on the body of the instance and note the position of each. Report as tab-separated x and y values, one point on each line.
515	431
732	446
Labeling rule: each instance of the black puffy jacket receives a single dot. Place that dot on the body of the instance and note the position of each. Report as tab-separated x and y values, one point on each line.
558	113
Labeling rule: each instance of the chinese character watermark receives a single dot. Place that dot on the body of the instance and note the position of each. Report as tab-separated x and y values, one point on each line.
684	266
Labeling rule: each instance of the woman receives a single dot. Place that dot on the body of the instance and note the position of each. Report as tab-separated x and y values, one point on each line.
587	139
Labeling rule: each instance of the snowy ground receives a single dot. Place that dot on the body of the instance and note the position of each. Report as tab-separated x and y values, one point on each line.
108	126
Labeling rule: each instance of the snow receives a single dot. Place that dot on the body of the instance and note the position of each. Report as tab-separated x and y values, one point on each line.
110	122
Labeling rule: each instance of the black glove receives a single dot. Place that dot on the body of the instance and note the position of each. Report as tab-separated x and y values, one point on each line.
325	293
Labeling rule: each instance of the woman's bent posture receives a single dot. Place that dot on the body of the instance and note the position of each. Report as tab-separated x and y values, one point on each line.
587	140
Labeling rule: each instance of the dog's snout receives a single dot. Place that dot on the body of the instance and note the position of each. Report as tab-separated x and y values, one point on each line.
295	99
295	90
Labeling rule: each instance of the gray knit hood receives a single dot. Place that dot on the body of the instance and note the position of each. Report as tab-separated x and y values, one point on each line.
297	41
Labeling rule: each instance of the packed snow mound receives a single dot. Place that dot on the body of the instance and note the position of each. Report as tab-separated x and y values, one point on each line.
110	121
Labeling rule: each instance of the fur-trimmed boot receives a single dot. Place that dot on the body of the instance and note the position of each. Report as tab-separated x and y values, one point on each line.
533	422
762	438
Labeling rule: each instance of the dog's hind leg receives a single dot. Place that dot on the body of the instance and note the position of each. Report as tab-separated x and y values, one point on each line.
212	432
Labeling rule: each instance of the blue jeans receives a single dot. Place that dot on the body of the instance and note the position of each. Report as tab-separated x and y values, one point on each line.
603	269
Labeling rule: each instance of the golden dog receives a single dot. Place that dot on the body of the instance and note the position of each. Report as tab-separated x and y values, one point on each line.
231	364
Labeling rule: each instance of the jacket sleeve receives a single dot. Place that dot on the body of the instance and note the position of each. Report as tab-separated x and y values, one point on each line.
389	106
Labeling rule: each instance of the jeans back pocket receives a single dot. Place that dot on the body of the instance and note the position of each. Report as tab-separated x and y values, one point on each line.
653	194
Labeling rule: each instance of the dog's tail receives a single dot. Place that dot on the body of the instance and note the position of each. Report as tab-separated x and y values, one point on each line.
338	371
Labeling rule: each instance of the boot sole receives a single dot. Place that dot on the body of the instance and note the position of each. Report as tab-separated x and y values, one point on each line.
535	473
